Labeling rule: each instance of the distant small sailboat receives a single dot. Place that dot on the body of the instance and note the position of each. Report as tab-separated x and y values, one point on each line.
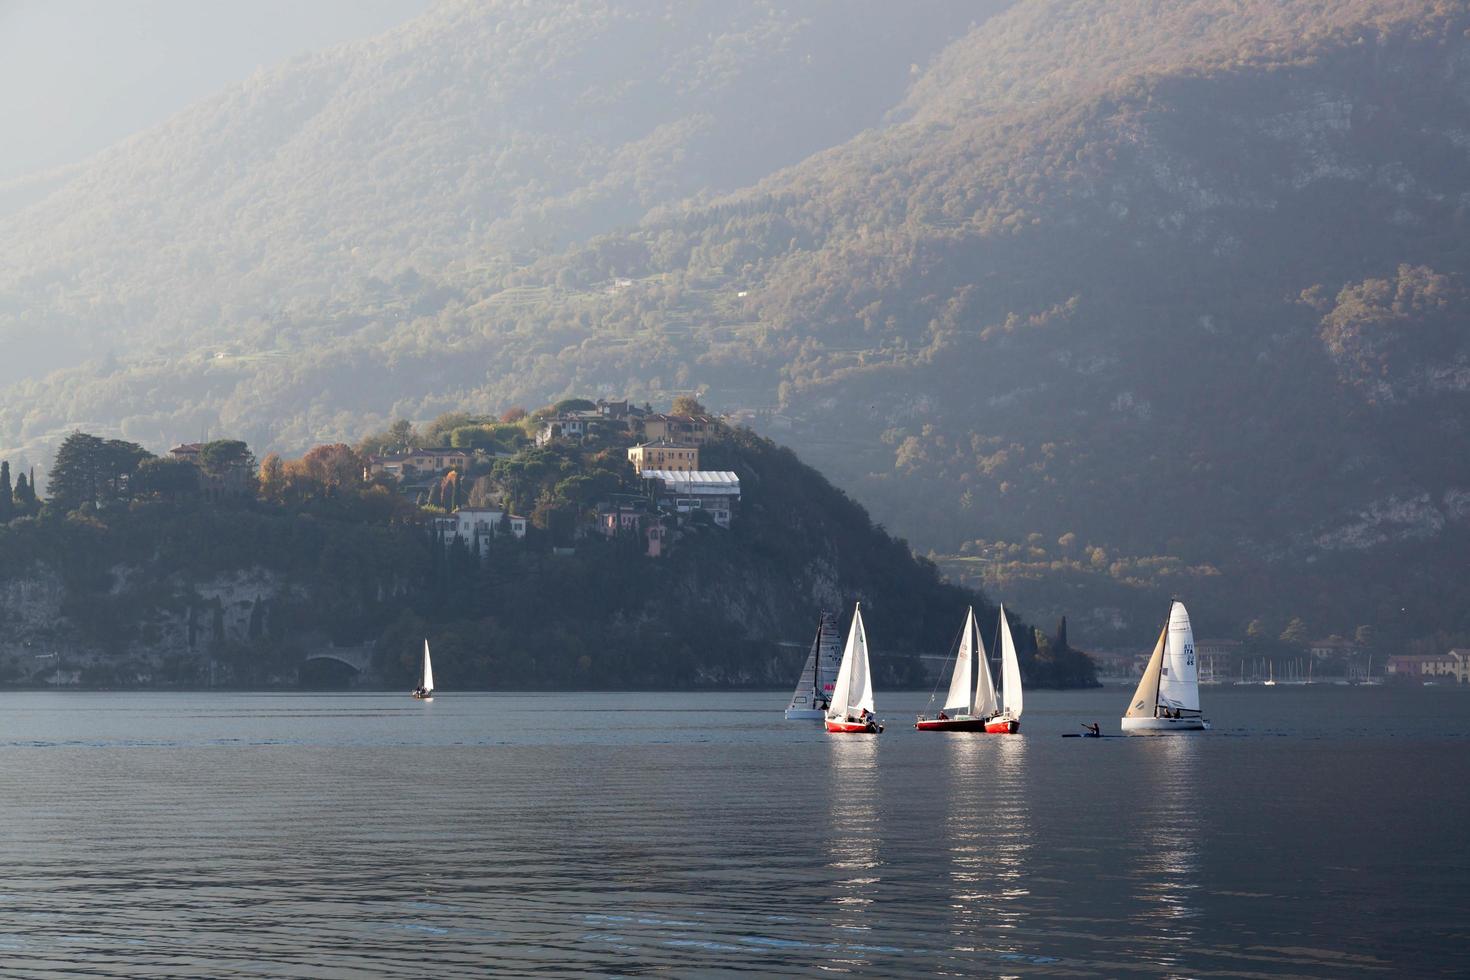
851	710
1270	680
971	707
1167	699
1008	721
425	690
814	688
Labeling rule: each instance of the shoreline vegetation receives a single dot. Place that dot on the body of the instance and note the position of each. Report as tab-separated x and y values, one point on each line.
205	569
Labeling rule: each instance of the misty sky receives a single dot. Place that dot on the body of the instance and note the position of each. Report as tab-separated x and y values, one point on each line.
77	75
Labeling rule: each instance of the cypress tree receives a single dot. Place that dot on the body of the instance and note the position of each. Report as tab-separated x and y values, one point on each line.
7	500
23	493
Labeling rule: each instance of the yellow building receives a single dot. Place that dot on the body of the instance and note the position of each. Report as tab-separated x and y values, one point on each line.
664	455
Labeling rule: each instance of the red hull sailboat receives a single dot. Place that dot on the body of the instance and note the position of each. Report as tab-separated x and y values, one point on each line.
851	710
990	712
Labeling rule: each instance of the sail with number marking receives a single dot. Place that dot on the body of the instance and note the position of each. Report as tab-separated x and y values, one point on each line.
1179	675
819	673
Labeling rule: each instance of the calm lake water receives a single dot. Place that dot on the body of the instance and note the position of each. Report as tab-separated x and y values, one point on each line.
1317	832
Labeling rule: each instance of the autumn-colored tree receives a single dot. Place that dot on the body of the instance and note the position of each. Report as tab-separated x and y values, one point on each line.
512	415
688	405
272	477
1295	632
333	465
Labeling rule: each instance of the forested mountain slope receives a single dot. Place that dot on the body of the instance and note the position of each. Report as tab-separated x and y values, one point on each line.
1161	295
477	134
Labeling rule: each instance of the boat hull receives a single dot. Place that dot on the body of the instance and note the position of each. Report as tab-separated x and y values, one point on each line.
805	714
1160	726
421	696
852	728
950	724
1002	726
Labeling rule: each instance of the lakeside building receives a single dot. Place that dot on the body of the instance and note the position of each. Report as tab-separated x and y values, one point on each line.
232	482
607	417
713	492
622	515
1434	666
1332	646
1117	664
693	430
664	455
477	526
419	461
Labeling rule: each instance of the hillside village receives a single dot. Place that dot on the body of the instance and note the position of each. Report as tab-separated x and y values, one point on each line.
662	488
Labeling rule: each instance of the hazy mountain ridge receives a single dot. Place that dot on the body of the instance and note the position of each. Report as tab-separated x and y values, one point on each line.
468	134
1095	276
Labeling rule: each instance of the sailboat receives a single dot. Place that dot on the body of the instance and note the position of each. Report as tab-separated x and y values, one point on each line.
1008	721
1167	699
1270	680
814	687
851	710
425	690
967	715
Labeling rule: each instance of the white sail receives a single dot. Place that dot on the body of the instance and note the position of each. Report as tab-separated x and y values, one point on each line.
986	703
818	674
1146	698
1179	677
428	684
853	691
1010	670
958	697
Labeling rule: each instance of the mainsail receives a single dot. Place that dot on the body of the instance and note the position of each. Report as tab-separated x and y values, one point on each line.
814	686
428	684
853	691
1179	676
958	697
1146	698
1010	669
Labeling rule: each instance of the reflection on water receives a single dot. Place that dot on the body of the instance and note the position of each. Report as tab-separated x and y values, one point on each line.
987	832
854	864
1165	873
679	835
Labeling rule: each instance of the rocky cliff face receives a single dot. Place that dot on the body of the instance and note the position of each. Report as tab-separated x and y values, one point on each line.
139	630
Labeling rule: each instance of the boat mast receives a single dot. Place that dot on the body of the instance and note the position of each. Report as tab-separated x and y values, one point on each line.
1166	652
817	660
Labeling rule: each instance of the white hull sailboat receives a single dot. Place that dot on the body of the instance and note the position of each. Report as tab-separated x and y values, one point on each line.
819	675
1167	699
851	710
425	690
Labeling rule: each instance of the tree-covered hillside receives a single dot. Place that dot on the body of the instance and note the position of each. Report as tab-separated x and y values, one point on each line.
135	575
1180	284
